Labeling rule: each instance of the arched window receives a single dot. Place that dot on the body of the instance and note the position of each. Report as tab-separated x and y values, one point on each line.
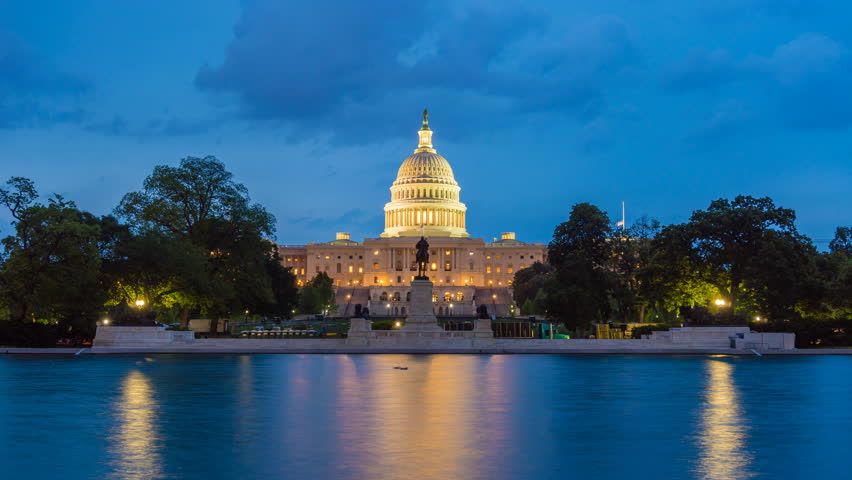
434	297
448	296
383	297
459	296
396	296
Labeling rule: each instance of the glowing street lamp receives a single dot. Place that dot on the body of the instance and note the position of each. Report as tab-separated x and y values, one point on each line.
720	302
140	303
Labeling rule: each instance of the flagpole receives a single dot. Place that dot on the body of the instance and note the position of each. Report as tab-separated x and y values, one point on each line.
623	221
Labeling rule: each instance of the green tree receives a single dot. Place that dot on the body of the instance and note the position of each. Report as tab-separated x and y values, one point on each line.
198	202
51	267
745	247
284	290
528	282
317	295
672	279
632	253
835	271
842	241
162	270
577	293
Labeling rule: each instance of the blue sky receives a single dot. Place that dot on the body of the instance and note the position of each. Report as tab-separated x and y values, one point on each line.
664	104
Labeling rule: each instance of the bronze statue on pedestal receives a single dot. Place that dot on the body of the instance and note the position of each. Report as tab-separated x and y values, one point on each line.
422	259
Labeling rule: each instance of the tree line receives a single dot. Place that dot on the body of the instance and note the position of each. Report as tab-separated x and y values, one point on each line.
738	261
190	242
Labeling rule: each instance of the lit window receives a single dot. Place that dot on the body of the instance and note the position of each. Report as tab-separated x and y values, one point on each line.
509	270
360	269
375	252
351	269
448	252
447	267
434	266
326	257
459	296
375	265
488	269
488	257
498	257
434	297
448	296
498	269
470	253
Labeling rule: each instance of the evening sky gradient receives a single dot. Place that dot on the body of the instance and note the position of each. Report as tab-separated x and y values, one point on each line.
664	104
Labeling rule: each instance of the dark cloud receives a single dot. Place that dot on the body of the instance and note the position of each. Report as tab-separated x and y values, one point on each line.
701	69
170	126
33	92
728	9
812	75
729	120
360	70
803	83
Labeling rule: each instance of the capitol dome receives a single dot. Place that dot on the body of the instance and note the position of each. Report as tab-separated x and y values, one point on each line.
425	195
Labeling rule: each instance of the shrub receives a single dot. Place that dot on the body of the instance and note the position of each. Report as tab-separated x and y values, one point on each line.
33	335
637	332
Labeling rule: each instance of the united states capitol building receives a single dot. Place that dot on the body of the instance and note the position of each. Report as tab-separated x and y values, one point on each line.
425	200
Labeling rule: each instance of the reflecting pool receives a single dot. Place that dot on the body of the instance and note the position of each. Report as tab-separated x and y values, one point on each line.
445	417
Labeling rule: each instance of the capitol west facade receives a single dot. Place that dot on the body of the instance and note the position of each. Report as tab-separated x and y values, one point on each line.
377	272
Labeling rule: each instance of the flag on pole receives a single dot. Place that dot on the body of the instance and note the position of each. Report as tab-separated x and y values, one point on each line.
620	223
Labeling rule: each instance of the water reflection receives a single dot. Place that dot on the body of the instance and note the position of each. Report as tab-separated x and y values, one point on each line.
419	422
135	444
722	433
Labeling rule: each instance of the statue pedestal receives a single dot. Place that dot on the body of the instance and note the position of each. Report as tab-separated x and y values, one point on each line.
421	317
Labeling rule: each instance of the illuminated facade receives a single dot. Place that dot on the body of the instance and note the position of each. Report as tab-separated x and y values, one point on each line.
378	271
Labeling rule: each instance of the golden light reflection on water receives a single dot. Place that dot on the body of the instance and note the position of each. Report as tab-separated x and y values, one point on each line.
722	434
420	422
135	443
